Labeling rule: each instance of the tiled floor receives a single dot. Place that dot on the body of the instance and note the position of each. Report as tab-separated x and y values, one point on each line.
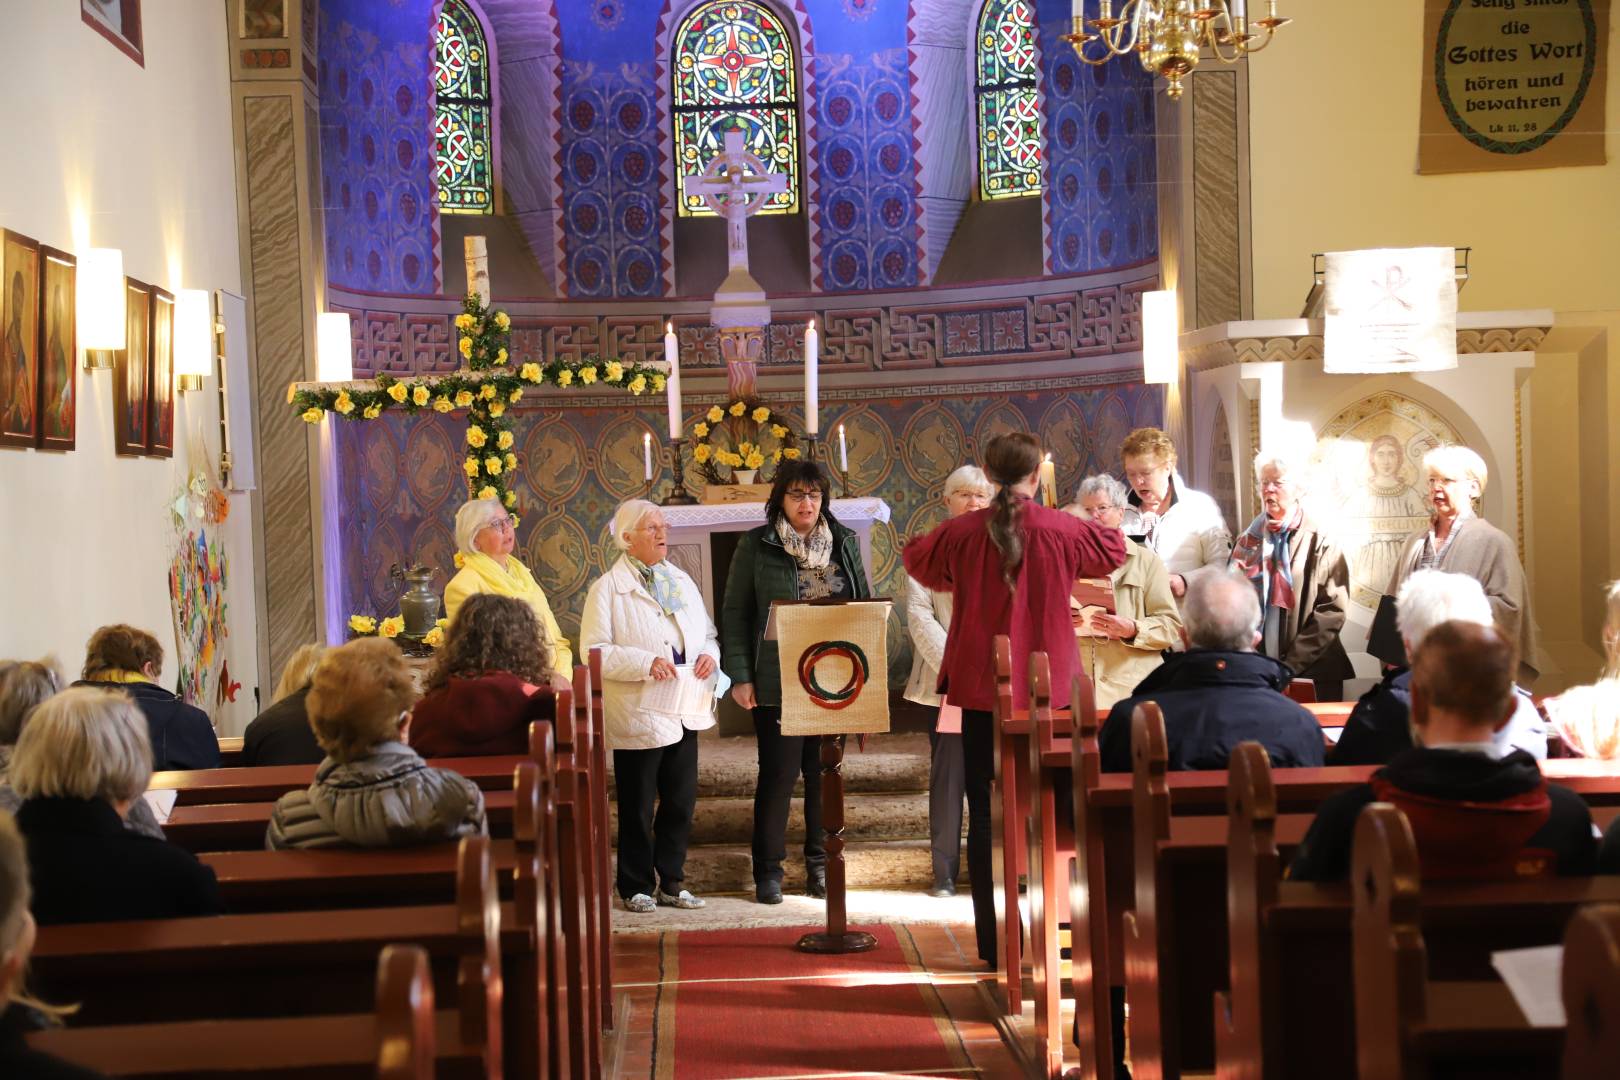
635	975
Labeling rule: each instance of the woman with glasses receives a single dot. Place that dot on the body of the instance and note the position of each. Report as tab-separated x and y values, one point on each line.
647	616
1183	527
485	537
800	553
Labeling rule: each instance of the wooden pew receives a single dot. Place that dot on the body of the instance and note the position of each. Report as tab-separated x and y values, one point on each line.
604	871
397	1042
577	835
267	783
1591	984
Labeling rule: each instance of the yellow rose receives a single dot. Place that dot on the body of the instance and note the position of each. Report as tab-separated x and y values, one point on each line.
464	398
344	404
459	559
761	414
496	408
391	627
615	371
755	460
442	404
470	467
565	377
503	321
511	497
442	624
504	440
776	457
587	374
292	392
476	437
515	396
737	408
516	521
701	430
511	461
531	373
362	624
372	412
397	392
466	346
313	415
492	465
420	395
659	382
487	391
779	431
464	321
434	638
700	452
486	492
791	454
638	384
500	356
715	414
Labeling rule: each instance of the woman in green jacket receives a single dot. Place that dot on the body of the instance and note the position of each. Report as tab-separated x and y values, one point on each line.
800	553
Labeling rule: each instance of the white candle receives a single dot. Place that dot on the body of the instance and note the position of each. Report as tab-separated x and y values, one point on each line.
812	380
646	453
843	451
672	357
1048	481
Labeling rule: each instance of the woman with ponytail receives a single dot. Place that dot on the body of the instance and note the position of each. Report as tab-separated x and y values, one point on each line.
1009	569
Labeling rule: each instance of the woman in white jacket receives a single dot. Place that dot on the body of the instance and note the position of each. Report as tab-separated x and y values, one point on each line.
647	617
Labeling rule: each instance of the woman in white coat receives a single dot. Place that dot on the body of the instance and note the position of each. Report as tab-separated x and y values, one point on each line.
647	617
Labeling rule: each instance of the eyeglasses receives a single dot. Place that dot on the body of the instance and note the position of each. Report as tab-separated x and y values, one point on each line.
500	524
802	496
653	530
1141	476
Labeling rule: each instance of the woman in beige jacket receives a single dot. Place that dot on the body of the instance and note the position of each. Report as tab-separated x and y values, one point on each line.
1118	650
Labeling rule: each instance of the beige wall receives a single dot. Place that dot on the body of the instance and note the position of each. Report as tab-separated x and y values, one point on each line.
101	152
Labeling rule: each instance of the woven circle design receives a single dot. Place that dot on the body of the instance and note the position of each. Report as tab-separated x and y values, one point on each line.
846	695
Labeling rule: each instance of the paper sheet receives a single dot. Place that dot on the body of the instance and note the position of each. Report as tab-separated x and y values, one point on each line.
684	695
1534	976
950	719
161	801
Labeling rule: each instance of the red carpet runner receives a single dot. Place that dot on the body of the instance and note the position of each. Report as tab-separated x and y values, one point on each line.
746	1003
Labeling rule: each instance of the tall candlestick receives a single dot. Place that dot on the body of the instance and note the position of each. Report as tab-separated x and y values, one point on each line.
646	453
812	380
843	453
672	357
1048	481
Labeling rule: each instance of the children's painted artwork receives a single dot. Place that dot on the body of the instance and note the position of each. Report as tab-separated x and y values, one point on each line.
197	579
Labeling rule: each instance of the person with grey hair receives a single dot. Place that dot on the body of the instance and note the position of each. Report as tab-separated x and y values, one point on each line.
1301	578
1379	727
1220	692
647	617
485	537
1459	541
928	621
1119	649
83	760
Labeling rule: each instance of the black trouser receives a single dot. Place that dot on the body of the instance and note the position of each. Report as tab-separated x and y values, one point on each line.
782	760
648	841
945	804
978	775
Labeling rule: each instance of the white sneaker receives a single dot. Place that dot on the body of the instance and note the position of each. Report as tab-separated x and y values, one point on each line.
640	903
682	899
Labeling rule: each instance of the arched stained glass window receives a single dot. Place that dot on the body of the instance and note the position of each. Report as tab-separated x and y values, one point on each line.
1009	114
734	66
461	126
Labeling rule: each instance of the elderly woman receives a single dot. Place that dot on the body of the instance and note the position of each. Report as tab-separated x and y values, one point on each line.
372	790
1183	527
83	760
182	736
647	617
801	553
485	537
928	620
1460	542
1118	650
1587	718
1301	577
281	735
488	683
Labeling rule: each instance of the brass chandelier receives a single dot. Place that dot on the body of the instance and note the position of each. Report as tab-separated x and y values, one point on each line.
1167	35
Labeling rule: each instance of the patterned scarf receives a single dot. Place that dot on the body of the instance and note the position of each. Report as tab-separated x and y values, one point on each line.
661	582
812	552
1262	553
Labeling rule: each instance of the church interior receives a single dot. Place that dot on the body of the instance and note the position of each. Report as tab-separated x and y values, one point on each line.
327	321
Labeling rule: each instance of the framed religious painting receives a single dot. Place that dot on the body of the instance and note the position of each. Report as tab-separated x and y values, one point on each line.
160	425
132	403
58	346
119	21
19	340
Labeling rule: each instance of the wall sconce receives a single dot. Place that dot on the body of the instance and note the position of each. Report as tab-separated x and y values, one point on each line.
100	299
193	338
1159	352
334	354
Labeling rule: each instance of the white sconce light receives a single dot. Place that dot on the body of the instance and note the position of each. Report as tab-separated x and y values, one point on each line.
101	306
334	356
193	338
1159	352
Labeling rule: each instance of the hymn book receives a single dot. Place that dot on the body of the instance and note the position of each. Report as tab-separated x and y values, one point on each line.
1089	598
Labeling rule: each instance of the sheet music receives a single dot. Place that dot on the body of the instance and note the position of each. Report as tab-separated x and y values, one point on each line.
162	802
684	695
1535	978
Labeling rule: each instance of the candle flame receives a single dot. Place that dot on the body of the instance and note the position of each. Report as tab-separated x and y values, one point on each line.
669	328
812	322
1047	459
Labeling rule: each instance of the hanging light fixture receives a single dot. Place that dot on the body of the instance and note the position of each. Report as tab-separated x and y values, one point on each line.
101	306
1160	355
193	338
1167	35
334	353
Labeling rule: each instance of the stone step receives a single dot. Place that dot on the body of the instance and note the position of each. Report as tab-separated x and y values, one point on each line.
866	818
893	864
729	765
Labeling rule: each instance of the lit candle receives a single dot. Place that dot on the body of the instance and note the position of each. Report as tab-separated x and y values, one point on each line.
843	451
646	453
1048	481
672	357
812	380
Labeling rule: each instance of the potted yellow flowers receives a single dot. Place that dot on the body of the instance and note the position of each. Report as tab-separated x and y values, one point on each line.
738	443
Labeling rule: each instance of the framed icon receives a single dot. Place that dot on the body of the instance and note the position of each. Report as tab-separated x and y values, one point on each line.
58	347
132	369
19	340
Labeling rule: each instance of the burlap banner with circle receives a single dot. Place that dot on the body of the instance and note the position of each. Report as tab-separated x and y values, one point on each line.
835	667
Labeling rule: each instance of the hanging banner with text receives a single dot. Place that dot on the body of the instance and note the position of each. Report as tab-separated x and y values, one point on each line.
1390	309
1512	84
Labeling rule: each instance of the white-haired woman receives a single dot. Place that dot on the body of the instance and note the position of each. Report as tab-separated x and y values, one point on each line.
485	537
1301	578
647	616
928	619
1587	718
1458	541
82	761
1120	649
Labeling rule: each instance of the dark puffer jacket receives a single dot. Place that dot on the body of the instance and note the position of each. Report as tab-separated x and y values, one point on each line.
182	735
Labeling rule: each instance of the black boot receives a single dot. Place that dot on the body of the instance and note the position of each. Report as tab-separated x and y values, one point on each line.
815	884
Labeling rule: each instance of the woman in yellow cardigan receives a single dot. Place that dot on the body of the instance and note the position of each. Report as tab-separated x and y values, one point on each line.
485	536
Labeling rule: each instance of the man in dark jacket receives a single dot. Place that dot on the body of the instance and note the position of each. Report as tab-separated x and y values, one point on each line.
1220	692
1474	814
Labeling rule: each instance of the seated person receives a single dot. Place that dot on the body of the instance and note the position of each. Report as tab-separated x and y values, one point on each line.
1587	718
372	790
1378	727
489	681
1220	692
281	735
182	735
81	763
1475	812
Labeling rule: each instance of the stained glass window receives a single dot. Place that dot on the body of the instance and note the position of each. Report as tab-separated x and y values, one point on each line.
734	66
1008	112
461	126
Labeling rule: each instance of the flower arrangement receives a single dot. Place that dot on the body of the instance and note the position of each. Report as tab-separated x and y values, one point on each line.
739	435
366	626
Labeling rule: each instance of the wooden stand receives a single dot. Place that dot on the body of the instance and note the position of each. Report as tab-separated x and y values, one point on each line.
838	937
